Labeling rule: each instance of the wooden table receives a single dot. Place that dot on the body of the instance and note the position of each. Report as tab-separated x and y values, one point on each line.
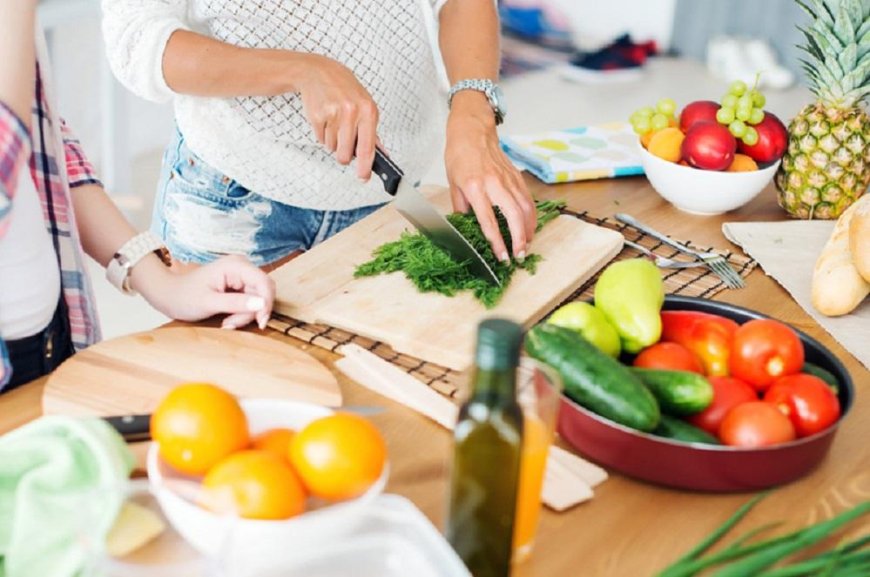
630	528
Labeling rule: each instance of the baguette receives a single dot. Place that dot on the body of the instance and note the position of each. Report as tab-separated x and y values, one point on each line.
859	236
837	286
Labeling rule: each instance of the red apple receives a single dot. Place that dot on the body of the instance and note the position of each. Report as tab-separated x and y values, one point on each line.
709	145
772	141
698	111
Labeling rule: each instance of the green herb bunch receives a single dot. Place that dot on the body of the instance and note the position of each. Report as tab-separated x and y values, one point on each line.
792	555
432	270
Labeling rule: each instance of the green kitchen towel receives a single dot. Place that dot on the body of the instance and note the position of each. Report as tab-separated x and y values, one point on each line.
60	481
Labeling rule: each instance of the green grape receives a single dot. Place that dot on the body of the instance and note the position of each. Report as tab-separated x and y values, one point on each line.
737	129
745	101
659	121
646	111
634	117
758	99
756	116
642	125
729	101
725	115
750	138
737	88
666	106
743	113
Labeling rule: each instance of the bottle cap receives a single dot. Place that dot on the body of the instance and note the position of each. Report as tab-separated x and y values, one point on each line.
498	344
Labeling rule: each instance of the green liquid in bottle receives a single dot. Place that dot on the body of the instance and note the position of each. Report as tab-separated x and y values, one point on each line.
486	462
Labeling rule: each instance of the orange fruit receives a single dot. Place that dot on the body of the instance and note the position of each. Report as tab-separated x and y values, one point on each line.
259	484
645	138
197	425
276	441
338	457
667	144
742	163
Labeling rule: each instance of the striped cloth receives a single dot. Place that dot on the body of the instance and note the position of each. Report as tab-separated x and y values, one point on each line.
40	149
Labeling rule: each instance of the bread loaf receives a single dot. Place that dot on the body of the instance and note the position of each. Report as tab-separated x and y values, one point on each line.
859	236
837	286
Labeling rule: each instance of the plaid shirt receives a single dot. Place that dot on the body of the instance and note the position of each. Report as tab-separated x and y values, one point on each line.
39	150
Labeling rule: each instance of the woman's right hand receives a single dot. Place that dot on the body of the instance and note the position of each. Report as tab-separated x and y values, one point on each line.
341	111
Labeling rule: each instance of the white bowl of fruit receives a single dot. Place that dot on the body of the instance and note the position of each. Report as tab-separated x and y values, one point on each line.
275	477
713	157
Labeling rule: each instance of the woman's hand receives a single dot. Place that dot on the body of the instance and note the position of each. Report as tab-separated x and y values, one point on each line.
230	285
341	111
481	176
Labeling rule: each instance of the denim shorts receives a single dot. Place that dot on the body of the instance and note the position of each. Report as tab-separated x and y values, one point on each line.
201	215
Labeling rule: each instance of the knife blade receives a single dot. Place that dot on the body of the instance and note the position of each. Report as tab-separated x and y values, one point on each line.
412	205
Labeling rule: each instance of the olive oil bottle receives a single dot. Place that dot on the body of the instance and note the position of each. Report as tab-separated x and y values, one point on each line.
486	461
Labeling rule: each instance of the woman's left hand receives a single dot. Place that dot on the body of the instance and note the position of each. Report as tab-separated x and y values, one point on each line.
481	176
230	285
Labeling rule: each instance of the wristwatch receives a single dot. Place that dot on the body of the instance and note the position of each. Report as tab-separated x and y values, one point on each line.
489	88
132	251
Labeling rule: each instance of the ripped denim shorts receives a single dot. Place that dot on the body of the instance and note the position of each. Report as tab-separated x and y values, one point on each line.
201	215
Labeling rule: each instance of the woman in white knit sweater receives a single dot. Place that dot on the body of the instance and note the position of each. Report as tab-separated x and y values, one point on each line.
279	106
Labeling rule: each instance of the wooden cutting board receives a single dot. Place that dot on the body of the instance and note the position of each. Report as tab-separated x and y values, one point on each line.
318	286
131	374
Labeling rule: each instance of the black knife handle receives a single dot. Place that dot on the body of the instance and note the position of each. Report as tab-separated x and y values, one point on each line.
133	428
387	171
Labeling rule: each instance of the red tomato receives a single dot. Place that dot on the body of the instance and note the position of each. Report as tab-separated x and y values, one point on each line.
669	356
807	400
755	424
727	394
764	350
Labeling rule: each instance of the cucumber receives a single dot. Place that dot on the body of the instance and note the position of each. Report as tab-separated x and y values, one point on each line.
825	375
679	393
592	378
679	430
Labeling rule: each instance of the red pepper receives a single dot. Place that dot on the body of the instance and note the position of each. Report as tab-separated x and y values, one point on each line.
708	336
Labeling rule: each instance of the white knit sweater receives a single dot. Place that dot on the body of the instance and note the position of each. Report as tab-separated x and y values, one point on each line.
266	144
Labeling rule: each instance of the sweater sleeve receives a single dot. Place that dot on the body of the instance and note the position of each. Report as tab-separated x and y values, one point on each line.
14	151
136	33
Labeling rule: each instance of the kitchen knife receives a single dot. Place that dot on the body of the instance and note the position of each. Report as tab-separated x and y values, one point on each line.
416	209
135	428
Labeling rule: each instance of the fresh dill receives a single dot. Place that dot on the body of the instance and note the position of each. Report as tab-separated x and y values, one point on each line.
431	269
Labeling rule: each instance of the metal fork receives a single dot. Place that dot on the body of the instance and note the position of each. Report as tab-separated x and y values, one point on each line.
663	261
715	262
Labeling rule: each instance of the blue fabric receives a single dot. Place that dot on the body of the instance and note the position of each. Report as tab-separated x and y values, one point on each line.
201	215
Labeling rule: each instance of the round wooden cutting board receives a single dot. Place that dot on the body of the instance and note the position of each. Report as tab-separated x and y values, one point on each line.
131	374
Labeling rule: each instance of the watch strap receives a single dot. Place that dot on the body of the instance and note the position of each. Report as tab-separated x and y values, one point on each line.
484	85
130	253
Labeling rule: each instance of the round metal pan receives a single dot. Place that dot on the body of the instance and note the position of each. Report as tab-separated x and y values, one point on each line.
698	466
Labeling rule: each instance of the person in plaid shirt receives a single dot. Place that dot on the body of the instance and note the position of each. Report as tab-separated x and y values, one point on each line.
53	209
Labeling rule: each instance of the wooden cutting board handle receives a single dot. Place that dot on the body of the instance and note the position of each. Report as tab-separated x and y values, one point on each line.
131	374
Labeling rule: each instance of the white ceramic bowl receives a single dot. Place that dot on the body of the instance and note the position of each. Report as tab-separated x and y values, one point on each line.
213	534
704	192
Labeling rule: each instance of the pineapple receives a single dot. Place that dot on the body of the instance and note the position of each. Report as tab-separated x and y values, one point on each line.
827	164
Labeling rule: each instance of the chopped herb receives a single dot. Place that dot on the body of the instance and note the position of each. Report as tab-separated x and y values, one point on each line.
432	270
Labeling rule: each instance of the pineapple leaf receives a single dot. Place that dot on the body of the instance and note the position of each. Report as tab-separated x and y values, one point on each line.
823	13
835	44
811	47
843	28
848	58
854	12
806	9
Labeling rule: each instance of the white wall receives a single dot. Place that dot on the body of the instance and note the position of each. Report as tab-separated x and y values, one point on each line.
78	58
